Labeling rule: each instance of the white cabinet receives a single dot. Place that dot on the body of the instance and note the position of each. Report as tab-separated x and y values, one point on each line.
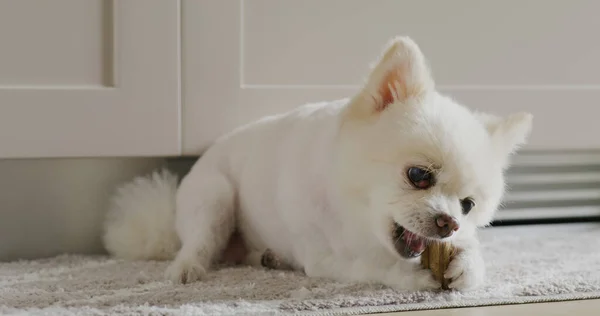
89	78
166	77
248	58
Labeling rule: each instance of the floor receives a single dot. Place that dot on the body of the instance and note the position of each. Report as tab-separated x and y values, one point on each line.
580	308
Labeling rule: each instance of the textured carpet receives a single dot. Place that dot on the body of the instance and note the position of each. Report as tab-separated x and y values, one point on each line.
525	264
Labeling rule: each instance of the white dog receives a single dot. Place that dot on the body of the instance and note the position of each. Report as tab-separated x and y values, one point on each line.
350	190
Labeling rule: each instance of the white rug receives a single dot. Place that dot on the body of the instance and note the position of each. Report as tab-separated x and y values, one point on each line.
525	264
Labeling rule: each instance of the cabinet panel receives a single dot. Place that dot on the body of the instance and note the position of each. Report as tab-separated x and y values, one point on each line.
89	78
55	42
249	58
467	42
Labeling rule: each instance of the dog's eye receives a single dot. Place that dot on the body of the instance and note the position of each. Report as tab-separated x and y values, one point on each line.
467	204
420	178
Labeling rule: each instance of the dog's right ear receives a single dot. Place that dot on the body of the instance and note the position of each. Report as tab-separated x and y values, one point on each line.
400	74
509	133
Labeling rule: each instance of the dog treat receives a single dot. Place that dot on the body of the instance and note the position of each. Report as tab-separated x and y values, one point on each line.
436	258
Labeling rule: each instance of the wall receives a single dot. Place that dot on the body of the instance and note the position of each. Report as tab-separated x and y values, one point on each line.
52	206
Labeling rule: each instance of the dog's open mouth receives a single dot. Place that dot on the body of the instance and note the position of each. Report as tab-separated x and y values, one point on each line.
407	243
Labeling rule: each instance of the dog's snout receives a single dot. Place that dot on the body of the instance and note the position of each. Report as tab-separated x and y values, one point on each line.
446	225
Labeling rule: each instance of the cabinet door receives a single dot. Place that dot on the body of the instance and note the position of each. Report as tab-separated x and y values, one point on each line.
246	59
89	78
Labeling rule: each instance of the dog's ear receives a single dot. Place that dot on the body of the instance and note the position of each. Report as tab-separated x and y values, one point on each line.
508	133
400	73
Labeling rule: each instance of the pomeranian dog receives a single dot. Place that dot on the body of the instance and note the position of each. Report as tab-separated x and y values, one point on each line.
351	190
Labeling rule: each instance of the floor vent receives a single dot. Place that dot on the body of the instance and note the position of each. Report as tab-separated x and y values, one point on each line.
551	185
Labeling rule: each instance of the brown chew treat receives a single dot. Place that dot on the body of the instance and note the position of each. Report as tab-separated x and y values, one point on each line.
436	258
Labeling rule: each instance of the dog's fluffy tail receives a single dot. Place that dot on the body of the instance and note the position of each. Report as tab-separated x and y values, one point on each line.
140	223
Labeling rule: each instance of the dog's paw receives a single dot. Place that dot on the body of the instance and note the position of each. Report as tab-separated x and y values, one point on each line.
185	271
424	281
405	277
270	260
466	271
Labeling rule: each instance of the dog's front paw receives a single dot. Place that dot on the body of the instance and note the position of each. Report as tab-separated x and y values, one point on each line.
410	278
185	271
466	271
424	281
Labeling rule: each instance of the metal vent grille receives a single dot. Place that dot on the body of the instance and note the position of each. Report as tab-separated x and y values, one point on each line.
550	185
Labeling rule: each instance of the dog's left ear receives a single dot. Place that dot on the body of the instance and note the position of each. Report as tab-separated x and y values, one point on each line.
508	133
400	74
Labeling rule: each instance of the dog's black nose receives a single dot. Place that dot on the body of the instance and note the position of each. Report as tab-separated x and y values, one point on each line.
446	225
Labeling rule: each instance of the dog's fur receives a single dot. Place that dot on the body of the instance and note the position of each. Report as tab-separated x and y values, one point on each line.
321	186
